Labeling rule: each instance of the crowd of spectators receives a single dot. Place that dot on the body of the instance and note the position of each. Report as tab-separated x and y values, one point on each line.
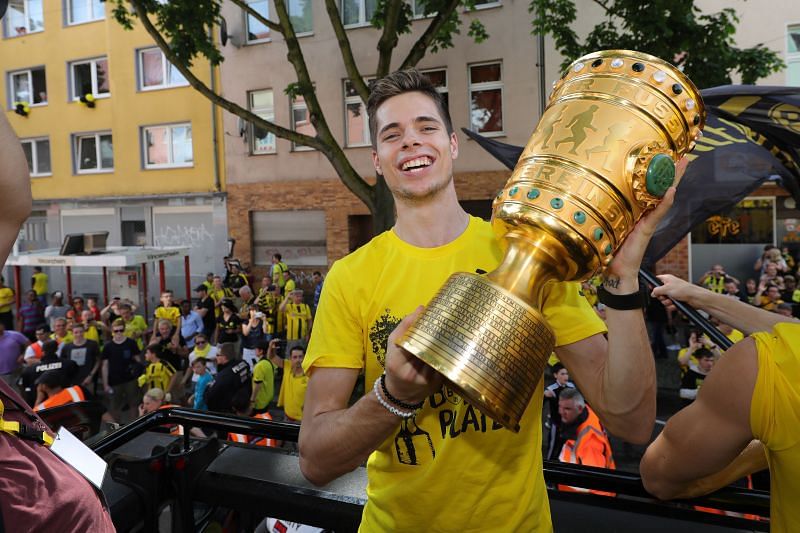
229	350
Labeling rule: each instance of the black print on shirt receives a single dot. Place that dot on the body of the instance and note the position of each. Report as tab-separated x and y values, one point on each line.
379	334
413	444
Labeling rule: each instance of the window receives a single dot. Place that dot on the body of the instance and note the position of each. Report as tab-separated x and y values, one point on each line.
300	121
261	104
167	146
357	12
418	9
155	72
79	11
89	77
438	78
300	13
481	4
37	152
299	236
28	86
256	31
486	98
793	55
24	17
356	123
94	152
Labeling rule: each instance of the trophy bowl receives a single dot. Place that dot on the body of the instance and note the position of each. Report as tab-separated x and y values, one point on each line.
602	155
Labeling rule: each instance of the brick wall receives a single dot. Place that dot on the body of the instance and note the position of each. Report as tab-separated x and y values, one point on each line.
332	197
676	262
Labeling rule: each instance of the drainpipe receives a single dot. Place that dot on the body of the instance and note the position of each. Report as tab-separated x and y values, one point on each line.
542	79
214	127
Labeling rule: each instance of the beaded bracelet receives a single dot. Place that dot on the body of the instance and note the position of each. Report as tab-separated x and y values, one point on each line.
399	403
391	408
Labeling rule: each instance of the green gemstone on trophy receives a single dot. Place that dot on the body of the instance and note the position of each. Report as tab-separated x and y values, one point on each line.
579	217
556	203
607	249
513	191
660	175
598	234
533	194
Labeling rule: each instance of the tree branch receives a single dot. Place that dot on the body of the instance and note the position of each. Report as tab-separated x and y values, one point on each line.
604	5
388	41
258	16
419	48
347	51
330	147
202	88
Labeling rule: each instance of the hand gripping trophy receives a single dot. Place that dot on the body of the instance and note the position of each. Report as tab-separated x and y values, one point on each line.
602	156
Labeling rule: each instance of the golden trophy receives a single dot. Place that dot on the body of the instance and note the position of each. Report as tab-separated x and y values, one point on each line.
602	156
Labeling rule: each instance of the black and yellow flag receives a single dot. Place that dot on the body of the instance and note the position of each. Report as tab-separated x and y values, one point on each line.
752	134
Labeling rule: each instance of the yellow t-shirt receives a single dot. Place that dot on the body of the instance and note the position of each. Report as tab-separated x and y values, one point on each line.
735	336
289	286
169	313
268	304
158	374
775	419
93	335
40	283
218	295
297	317
293	392
6	299
450	467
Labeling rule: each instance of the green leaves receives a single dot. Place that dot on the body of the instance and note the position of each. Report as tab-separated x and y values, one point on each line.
702	44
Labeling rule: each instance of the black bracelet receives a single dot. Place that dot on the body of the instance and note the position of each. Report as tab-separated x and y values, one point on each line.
624	302
399	403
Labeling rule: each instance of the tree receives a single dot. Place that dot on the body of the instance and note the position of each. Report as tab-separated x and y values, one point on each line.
702	44
184	30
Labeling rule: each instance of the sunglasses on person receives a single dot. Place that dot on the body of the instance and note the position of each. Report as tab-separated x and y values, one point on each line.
200	343
115	330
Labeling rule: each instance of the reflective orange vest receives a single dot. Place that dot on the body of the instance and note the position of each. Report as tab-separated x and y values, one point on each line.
36	348
258	441
70	395
591	447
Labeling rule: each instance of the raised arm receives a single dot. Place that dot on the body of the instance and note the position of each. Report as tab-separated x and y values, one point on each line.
14	183
744	317
335	438
702	447
617	376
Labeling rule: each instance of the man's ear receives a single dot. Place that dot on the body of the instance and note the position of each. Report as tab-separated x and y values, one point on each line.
376	162
454	145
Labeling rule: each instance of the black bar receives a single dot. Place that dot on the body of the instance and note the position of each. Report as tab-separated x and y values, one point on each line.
191	417
702	322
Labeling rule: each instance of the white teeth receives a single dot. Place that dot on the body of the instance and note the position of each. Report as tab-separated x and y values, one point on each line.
418	162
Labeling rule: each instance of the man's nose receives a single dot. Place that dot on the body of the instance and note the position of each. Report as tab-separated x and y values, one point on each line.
410	138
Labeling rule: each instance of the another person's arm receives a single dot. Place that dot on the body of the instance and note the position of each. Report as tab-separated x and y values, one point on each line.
104	375
15	184
737	314
718	423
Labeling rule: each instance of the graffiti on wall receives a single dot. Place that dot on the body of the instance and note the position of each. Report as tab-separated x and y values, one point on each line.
182	235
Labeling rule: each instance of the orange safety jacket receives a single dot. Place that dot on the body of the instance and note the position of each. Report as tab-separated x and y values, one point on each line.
590	447
258	441
36	347
69	395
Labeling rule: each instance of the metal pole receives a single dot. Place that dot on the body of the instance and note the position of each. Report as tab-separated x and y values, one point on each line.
187	278
162	280
18	286
69	285
105	285
144	288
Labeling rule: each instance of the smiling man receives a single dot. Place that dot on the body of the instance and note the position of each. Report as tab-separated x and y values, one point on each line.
435	462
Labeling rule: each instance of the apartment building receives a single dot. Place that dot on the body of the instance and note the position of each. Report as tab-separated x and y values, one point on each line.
116	139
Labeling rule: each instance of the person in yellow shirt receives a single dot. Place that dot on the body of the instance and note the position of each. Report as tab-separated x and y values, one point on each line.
278	268
289	284
6	303
409	416
745	417
158	372
297	316
219	293
168	310
293	386
40	284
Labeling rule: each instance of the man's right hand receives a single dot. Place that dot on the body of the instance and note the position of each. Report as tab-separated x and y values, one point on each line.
408	378
674	288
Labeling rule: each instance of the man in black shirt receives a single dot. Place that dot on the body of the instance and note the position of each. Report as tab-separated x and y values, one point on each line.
693	379
232	376
85	353
205	308
121	366
551	395
64	368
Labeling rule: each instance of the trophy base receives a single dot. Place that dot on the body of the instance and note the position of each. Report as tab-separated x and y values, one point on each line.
491	345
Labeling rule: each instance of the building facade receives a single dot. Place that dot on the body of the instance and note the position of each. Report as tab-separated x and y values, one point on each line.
116	139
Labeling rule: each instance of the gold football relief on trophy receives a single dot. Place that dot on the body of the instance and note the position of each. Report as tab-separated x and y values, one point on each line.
602	155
